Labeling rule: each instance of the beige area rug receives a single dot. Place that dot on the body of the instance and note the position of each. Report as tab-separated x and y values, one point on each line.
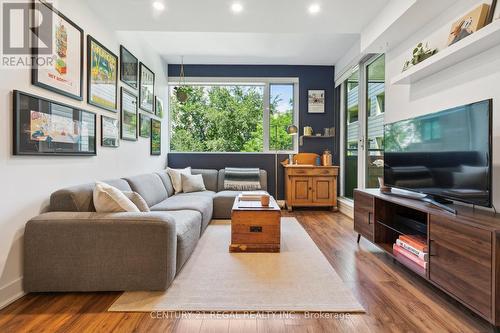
298	279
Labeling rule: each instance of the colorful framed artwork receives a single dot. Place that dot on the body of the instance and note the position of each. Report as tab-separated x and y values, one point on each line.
158	107
146	88
469	23
102	76
155	137
316	101
129	66
129	115
110	132
144	126
64	74
46	127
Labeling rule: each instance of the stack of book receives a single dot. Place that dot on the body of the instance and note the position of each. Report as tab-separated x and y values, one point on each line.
412	250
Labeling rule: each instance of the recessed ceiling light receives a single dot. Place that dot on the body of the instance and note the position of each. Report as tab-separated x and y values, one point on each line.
158	5
236	7
314	9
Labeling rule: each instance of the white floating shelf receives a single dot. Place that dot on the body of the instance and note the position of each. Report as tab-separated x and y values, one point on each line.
480	41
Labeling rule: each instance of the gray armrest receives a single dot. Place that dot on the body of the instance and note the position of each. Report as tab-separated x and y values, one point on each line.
79	251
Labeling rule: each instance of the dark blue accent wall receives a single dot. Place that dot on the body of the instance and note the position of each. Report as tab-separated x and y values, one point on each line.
310	78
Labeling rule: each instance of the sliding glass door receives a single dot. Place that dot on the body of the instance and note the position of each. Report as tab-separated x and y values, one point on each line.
351	134
363	126
375	108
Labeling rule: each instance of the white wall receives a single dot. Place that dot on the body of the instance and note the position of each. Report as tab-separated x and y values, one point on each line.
472	80
26	182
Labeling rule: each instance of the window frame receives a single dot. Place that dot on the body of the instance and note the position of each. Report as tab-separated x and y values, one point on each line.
247	81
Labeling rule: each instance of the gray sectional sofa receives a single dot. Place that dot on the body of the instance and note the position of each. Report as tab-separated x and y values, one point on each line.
73	248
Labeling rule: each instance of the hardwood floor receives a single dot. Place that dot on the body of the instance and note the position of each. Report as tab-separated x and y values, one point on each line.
395	299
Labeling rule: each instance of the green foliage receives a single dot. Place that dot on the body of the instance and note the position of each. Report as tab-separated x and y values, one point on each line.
225	119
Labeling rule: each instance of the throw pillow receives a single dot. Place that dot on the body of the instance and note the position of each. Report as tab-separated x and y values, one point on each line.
192	183
137	200
109	199
175	177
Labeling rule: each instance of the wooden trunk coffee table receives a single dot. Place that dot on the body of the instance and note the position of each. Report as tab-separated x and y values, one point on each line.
255	229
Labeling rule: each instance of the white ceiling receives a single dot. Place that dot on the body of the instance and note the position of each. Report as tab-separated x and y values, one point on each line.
266	32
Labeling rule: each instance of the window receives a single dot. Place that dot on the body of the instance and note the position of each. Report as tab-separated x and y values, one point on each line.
222	115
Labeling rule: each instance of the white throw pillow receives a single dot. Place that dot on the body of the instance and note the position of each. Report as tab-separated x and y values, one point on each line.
175	177
192	183
109	199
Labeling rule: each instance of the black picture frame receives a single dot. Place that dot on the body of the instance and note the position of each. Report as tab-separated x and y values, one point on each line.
123	123
35	77
104	141
91	40
142	89
144	126
24	107
125	70
155	126
491	12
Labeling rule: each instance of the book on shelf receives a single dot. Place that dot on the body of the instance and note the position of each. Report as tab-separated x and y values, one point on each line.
416	241
420	254
397	250
409	263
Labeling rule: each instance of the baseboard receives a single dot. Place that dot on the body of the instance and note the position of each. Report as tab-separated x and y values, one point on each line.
11	292
346	207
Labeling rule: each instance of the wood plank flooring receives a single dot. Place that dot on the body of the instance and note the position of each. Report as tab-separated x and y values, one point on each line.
395	299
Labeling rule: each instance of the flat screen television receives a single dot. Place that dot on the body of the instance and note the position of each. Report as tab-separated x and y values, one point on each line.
446	155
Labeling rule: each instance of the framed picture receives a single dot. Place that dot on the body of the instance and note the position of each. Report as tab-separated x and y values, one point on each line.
129	66
129	115
146	88
65	74
144	126
46	127
110	132
316	101
102	76
491	12
158	107
155	137
468	24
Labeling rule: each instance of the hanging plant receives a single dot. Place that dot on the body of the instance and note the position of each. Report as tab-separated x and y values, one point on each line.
180	91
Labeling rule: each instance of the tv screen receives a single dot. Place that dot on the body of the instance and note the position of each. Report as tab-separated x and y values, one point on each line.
445	154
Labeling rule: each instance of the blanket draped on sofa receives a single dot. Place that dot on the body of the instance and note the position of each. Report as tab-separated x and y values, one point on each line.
242	179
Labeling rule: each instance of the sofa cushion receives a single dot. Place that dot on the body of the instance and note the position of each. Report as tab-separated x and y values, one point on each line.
109	199
167	182
208	194
137	200
209	177
175	177
192	183
188	225
189	201
223	202
149	186
222	173
79	198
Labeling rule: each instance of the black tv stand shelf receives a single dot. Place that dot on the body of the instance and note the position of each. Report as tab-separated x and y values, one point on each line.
464	249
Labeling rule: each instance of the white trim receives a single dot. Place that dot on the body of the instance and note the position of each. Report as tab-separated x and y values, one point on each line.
193	80
342	137
11	292
346	206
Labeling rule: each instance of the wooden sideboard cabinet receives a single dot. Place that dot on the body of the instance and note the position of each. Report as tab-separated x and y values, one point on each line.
311	186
